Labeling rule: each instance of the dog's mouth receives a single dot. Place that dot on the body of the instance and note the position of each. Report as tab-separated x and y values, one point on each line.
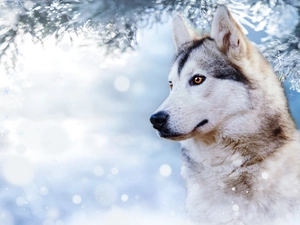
174	136
203	122
168	134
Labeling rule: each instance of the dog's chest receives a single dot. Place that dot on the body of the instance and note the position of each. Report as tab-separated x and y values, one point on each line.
228	193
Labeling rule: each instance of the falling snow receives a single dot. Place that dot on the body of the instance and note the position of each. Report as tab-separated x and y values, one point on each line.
76	199
114	171
265	175
122	83
44	190
235	207
165	170
98	171
124	198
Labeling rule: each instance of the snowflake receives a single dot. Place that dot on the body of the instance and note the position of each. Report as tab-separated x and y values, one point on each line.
5	91
55	4
20	133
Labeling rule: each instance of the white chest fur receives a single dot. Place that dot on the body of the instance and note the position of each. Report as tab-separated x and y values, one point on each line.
227	188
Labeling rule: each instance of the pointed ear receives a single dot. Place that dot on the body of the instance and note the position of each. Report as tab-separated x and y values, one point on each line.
228	34
181	32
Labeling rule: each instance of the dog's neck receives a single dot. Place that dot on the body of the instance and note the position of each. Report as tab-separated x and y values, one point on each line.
224	146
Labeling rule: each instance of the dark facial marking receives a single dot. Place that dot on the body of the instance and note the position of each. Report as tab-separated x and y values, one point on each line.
223	69
184	52
226	70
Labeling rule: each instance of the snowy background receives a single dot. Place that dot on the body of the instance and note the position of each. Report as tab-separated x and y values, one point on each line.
76	143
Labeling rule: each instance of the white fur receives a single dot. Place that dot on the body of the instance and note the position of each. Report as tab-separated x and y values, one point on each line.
277	186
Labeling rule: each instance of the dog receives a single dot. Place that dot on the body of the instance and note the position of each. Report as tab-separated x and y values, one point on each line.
240	145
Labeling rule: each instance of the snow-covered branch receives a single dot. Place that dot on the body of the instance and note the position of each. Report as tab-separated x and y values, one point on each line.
113	25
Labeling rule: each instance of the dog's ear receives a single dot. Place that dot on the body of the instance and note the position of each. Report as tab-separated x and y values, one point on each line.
181	32
228	34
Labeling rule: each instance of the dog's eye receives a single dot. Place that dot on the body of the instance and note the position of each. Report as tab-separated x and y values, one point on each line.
171	85
197	79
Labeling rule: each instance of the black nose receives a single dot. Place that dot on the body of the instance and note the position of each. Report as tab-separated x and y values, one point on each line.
159	119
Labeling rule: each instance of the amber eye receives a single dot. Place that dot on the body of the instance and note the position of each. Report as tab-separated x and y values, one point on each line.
171	85
197	79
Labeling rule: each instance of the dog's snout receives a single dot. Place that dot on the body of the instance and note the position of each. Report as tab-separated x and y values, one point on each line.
159	119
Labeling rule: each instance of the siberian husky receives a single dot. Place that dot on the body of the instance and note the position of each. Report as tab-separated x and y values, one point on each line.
240	146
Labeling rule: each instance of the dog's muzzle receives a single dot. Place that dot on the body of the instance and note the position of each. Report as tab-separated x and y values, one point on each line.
159	119
160	122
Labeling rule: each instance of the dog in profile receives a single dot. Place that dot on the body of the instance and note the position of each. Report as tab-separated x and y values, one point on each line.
240	145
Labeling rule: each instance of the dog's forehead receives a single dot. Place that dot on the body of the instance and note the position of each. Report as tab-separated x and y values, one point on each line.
204	55
187	52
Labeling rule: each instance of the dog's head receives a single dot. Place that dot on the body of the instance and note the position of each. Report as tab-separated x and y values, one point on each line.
207	85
